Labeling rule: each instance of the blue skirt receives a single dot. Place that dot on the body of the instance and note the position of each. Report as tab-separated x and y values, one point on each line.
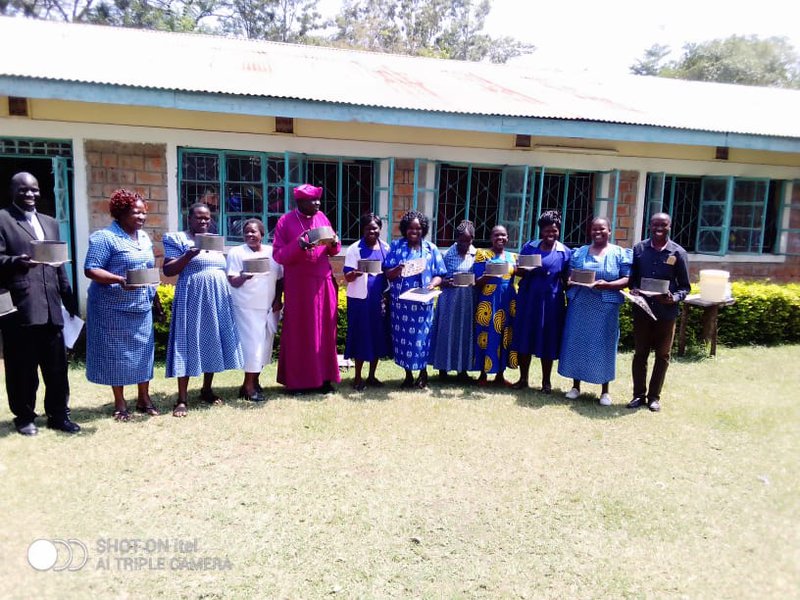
452	337
591	335
119	345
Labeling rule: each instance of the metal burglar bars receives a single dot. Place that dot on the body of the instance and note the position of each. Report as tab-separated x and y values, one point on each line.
239	185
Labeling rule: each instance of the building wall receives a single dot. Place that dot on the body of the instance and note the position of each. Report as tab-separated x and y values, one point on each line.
146	156
111	165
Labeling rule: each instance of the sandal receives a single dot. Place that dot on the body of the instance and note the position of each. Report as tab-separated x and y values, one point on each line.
209	397
180	409
359	386
148	409
122	416
373	382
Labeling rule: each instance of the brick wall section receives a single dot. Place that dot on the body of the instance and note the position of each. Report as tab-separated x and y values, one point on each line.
624	233
138	167
787	272
403	197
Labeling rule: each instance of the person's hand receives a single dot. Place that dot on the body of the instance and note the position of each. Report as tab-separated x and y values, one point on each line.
334	242
22	263
447	282
667	298
601	284
302	241
635	292
351	276
394	272
192	252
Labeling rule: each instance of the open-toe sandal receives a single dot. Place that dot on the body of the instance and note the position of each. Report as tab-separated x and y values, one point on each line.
180	409
147	409
122	416
209	397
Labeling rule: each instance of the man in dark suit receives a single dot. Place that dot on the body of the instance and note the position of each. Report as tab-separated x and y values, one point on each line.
32	337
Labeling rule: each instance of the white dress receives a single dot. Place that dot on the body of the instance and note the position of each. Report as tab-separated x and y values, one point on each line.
252	306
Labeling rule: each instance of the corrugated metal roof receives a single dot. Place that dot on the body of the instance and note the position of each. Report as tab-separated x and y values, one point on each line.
217	65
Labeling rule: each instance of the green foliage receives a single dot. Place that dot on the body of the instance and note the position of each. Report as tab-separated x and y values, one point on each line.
745	60
166	294
765	314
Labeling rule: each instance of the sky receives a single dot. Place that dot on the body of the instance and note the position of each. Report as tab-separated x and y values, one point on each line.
607	36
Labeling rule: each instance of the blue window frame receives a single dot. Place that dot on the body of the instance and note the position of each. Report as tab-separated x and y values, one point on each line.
717	215
239	185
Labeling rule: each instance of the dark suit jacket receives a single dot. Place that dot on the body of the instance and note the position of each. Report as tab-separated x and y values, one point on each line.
39	291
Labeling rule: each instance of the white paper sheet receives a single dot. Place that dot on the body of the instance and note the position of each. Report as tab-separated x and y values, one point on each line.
72	328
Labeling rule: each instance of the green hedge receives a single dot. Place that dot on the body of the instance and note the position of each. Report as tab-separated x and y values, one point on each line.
764	314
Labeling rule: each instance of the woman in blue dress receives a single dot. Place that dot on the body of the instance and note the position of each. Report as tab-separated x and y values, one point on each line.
494	311
202	334
591	331
541	303
119	328
368	338
452	338
411	321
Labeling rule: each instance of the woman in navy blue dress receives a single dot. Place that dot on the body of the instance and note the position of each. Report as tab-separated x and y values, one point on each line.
541	303
119	331
368	337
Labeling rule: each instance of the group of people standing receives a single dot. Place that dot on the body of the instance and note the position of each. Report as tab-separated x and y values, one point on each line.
225	318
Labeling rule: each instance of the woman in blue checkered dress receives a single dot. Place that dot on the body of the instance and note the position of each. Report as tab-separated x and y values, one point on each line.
119	328
202	333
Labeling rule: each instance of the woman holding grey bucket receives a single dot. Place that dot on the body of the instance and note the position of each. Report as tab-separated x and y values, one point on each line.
368	338
119	330
257	291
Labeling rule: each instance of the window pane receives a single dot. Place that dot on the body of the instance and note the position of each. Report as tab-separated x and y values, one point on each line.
685	210
744	240
712	215
710	241
324	174
453	185
356	198
484	200
715	190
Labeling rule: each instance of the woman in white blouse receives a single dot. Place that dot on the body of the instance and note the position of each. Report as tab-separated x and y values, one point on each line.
257	303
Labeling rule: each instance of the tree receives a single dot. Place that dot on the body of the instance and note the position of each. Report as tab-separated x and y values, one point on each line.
275	20
437	28
651	63
746	60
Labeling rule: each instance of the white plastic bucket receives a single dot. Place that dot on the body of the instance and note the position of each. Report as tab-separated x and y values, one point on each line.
713	285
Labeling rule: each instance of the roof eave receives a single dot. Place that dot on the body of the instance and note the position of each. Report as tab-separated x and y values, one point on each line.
41	88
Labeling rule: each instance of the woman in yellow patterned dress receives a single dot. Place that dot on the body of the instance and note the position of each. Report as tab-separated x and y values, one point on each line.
495	306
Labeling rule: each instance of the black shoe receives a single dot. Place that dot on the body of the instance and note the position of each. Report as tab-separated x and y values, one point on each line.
636	403
654	406
64	425
327	388
256	396
28	429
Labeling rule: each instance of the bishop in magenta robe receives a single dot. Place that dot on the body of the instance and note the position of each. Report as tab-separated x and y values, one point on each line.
308	358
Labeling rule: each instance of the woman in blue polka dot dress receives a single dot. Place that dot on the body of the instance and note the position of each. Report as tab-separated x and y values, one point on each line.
202	334
411	321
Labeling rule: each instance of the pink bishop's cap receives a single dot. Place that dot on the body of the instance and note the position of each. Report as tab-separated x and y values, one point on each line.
307	192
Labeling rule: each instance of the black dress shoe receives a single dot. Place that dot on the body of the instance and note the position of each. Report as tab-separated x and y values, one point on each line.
636	403
256	396
64	425
28	429
327	388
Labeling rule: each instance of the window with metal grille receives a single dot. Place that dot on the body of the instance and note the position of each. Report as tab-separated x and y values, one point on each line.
241	185
570	193
716	215
467	192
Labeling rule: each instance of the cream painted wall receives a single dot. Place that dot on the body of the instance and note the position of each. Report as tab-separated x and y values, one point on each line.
415	143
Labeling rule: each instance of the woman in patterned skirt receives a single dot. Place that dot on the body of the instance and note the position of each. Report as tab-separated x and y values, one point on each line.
591	331
202	334
411	320
119	329
495	309
453	329
257	300
368	337
541	303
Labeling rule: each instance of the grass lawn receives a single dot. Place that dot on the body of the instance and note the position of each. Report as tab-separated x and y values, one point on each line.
449	493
